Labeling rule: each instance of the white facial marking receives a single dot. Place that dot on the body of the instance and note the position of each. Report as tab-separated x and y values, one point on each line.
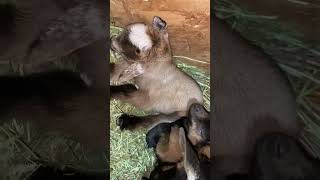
139	37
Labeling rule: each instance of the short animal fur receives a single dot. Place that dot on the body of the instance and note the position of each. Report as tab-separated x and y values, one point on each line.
58	101
164	137
190	168
37	32
161	86
280	157
252	97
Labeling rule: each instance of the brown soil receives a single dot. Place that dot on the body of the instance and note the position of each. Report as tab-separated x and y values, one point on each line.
188	22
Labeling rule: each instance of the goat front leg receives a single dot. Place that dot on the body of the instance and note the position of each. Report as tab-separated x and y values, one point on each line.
123	71
116	69
123	92
131	122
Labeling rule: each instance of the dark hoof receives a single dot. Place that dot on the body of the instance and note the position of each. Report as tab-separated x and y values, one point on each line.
125	89
125	120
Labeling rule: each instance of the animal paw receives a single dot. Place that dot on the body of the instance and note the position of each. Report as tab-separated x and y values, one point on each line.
125	121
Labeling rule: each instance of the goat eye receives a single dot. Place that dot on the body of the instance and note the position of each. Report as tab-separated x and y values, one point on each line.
138	51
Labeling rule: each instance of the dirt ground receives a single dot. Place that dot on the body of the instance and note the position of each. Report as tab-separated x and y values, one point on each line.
189	20
188	23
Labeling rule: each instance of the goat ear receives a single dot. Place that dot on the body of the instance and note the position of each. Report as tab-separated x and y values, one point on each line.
190	159
159	24
197	112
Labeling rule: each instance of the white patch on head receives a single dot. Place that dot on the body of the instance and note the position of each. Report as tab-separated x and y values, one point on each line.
139	37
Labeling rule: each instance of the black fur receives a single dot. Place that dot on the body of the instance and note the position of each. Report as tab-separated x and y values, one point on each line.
153	136
252	97
237	177
196	115
280	157
161	171
7	17
126	120
10	15
41	83
179	174
50	86
199	115
205	167
122	89
56	101
51	173
171	174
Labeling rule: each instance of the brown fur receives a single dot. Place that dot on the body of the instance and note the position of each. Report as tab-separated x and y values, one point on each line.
150	121
46	30
190	167
61	104
193	134
204	151
252	97
168	148
41	34
116	70
170	151
57	102
162	88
